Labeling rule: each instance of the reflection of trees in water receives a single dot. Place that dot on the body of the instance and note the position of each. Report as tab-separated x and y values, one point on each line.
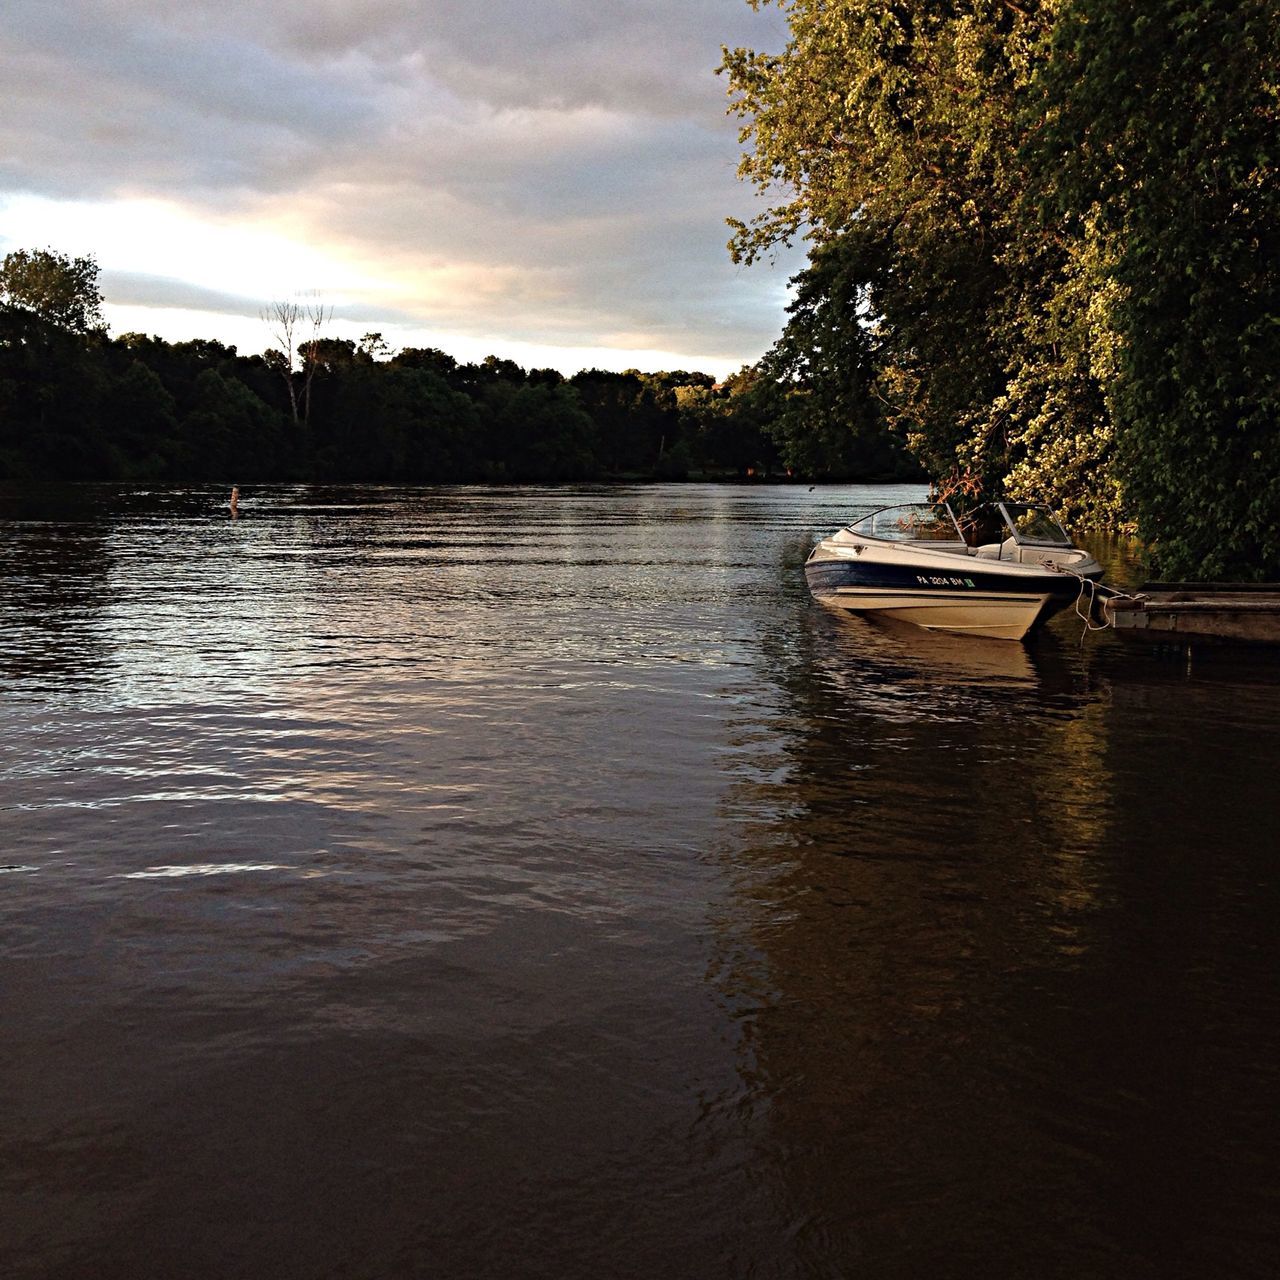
54	564
918	820
1183	1002
978	1006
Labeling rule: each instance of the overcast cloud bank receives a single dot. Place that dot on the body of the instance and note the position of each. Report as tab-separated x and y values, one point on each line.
532	173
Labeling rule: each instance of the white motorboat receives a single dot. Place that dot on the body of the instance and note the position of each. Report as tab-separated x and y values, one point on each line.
912	563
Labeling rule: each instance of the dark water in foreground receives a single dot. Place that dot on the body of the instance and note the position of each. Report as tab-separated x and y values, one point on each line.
535	883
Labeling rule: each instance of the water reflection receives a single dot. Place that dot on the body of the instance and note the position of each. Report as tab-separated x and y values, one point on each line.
958	955
53	576
202	869
386	856
862	654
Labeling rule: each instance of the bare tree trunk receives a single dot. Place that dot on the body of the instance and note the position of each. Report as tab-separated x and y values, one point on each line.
281	319
317	315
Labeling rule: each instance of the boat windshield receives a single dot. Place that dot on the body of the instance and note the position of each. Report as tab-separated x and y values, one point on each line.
1034	525
913	522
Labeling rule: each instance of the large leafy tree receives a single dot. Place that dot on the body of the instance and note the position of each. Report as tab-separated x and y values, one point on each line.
724	428
59	289
817	382
893	127
51	398
633	418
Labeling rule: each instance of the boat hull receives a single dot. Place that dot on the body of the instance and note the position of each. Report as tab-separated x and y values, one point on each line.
943	597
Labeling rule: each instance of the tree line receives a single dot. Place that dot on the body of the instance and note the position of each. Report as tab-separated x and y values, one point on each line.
78	404
1044	249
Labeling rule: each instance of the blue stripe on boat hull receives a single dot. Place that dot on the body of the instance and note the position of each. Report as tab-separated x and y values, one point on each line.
827	577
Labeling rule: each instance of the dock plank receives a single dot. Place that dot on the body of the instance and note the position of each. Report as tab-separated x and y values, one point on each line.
1242	612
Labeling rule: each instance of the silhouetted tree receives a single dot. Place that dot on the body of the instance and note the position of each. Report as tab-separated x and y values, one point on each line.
60	290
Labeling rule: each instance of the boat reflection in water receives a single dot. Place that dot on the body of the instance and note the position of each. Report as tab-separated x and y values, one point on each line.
913	563
933	657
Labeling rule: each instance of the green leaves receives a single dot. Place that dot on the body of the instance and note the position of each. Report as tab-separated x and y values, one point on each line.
1075	291
60	290
1180	170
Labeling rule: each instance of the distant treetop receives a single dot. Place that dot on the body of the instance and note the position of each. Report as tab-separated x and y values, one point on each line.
62	290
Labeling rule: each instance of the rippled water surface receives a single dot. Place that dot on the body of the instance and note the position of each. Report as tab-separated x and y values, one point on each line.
487	883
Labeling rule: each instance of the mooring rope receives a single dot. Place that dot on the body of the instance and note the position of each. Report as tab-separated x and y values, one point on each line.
1091	587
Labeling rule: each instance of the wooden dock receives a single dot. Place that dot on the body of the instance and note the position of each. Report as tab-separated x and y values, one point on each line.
1200	612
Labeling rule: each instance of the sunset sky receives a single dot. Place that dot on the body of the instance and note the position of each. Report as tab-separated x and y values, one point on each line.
546	180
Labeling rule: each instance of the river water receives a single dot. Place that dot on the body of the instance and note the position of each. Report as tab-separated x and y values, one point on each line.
535	883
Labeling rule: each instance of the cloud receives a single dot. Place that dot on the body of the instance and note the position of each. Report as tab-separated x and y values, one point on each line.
549	170
131	289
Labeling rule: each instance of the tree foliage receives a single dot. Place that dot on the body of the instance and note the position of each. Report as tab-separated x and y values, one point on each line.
1161	124
84	406
895	126
60	290
817	385
1057	224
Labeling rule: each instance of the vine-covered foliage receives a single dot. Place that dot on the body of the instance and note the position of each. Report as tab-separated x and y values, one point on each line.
1057	221
1162	123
